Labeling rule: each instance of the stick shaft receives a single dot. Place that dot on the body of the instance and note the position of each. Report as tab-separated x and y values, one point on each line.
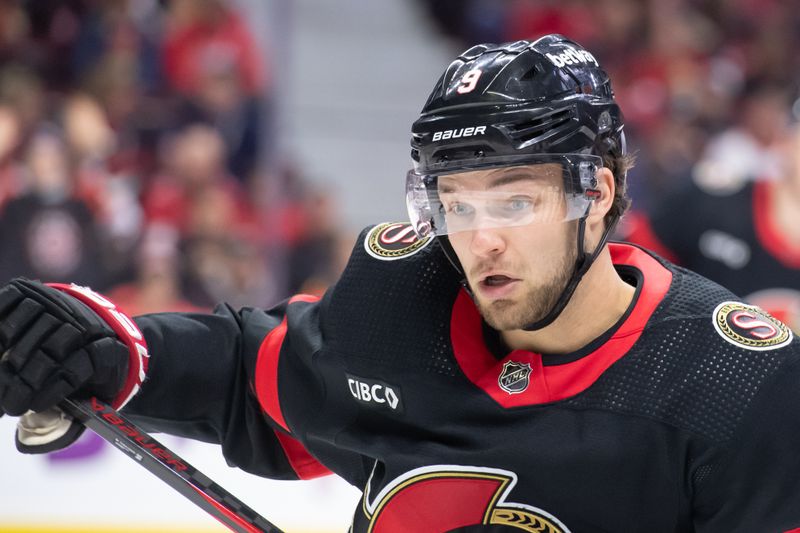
167	466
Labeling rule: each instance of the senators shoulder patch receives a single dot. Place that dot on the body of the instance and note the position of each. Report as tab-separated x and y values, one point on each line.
750	327
394	240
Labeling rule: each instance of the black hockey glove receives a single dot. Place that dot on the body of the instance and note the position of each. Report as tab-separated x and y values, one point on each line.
62	341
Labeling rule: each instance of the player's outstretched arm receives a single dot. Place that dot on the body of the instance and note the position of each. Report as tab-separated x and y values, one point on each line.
209	373
65	341
62	341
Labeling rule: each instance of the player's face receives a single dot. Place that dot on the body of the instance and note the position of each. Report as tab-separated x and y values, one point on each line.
516	272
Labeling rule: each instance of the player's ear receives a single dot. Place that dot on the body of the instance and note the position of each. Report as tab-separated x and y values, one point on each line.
602	205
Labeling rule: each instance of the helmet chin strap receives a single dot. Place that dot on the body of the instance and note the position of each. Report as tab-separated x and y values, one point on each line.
582	265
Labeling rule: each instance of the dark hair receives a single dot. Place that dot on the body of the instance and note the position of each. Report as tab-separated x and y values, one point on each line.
619	165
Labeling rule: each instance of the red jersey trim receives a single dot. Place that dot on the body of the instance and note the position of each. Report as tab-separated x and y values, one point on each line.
266	388
767	233
266	378
302	462
556	382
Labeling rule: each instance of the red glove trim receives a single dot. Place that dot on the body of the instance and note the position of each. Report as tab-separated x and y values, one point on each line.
127	331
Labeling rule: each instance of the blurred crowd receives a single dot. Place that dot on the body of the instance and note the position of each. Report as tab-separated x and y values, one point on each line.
135	157
136	136
707	86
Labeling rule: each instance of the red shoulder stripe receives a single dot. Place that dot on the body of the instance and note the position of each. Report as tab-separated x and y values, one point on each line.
266	378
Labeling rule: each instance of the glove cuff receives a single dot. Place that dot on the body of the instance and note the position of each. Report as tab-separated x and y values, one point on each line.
127	331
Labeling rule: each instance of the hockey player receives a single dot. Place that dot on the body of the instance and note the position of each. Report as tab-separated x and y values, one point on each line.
745	238
496	365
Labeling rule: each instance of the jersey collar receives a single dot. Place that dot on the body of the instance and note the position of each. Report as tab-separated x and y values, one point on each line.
570	374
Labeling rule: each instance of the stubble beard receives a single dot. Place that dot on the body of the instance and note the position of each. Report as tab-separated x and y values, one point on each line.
535	304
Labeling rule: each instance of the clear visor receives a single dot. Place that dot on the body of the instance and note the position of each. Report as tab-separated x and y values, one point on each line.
525	191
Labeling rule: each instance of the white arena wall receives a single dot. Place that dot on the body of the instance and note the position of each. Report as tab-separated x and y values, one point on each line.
103	491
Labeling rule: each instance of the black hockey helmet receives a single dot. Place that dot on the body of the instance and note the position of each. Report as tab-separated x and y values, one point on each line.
545	96
516	104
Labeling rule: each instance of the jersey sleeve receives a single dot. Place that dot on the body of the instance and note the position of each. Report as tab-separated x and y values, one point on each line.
215	378
754	485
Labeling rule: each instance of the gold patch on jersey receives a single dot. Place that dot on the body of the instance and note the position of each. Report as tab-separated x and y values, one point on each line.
750	327
394	240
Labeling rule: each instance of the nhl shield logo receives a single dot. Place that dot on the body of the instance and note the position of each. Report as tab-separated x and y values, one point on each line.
515	377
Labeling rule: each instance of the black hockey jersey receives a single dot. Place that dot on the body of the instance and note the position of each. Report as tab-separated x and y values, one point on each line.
730	238
683	417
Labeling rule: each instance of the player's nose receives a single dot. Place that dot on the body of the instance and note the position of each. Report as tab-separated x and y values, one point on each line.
487	242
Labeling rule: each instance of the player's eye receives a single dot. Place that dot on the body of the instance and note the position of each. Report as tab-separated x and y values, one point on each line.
460	209
514	206
519	203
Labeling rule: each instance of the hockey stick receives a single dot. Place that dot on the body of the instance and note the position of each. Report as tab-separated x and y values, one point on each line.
166	465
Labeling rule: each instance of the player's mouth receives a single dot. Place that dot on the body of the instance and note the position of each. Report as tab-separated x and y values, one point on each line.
497	286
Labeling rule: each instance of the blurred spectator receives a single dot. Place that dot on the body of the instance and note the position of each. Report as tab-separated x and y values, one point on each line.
119	31
47	233
213	221
14	31
212	60
527	18
52	28
10	140
317	255
193	166
164	108
91	142
113	196
203	34
229	269
157	285
21	89
749	148
117	60
220	101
